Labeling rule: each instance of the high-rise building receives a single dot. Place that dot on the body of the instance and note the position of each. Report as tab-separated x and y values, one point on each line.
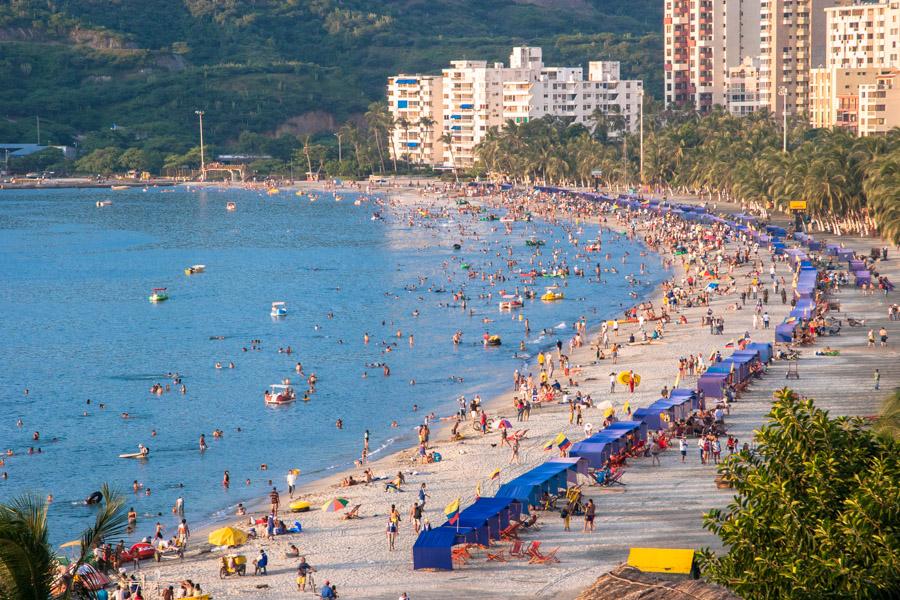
879	104
861	51
792	41
742	88
416	103
472	96
703	40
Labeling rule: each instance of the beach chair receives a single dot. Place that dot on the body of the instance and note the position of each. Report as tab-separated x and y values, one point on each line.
518	435
599	477
510	531
543	559
352	514
531	523
516	550
531	549
460	555
496	556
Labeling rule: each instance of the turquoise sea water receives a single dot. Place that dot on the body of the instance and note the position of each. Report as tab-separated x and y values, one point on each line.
76	325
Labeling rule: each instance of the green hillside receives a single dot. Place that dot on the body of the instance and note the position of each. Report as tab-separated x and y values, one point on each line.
273	67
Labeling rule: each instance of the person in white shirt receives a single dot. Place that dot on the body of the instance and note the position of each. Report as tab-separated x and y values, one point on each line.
291	480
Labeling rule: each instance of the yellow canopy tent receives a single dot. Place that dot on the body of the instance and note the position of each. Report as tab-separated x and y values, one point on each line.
227	536
661	560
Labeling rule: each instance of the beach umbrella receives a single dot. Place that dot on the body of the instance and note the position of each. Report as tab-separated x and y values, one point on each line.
502	423
335	504
227	536
91	578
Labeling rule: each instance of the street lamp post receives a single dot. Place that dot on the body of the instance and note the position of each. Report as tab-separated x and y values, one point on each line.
782	91
641	96
199	113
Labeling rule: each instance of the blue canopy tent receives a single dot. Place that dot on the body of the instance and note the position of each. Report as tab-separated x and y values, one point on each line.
489	516
785	332
690	394
712	385
432	549
551	476
681	406
639	428
594	453
764	348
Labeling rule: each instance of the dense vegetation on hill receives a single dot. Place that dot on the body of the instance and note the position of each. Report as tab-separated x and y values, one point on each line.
274	67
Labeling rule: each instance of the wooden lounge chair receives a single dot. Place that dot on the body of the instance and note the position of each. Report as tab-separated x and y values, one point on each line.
496	556
352	514
543	559
516	550
510	532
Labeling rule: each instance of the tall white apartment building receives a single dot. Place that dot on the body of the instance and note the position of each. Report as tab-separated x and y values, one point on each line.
704	39
863	35
861	54
477	95
742	88
792	41
416	103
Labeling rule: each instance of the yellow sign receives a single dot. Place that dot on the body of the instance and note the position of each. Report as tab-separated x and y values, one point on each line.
798	205
661	560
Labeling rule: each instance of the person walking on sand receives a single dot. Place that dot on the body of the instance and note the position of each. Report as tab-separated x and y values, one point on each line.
877	379
423	497
514	459
274	500
683	448
291	478
612	383
415	513
871	338
882	333
654	452
589	511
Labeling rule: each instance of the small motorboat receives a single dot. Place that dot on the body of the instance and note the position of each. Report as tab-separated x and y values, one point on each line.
193	269
510	302
158	295
231	207
118	188
552	294
279	309
280	394
534	242
104	203
507	220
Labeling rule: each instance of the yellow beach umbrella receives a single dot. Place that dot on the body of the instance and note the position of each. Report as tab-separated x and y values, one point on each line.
71	544
227	536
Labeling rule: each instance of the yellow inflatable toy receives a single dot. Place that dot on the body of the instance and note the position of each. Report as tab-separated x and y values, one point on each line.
625	378
299	506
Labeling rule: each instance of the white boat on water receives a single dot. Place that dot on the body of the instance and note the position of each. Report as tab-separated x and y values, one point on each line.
104	203
193	269
278	394
279	309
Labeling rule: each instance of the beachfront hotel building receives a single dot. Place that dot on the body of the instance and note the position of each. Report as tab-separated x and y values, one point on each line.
792	40
704	40
859	72
472	96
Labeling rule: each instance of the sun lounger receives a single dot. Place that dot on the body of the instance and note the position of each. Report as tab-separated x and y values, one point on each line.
496	556
510	531
352	514
538	558
516	550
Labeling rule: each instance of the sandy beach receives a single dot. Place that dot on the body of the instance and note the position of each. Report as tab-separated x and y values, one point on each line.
658	506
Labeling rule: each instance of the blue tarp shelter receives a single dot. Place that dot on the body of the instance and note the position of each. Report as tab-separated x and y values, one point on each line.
594	453
764	349
551	476
432	549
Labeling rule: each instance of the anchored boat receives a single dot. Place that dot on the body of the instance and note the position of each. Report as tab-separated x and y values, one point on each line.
158	295
279	309
279	393
195	269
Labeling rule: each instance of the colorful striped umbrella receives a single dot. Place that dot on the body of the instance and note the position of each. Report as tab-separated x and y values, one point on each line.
335	504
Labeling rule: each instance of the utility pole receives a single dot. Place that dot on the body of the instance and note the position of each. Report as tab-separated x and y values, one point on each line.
641	96
340	153
782	91
38	118
199	113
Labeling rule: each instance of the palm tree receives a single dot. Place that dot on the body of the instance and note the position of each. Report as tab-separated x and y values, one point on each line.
27	560
381	124
404	124
447	140
425	124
